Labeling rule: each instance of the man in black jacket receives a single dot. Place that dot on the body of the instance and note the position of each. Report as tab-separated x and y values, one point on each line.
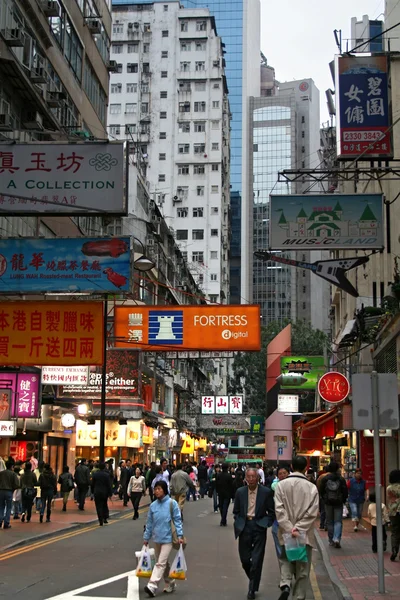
224	487
82	480
253	512
202	476
102	490
334	492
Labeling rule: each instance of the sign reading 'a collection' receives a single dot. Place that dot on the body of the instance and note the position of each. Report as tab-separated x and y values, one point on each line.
221	405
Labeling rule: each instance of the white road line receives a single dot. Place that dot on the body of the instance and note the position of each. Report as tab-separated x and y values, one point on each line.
129	574
133	587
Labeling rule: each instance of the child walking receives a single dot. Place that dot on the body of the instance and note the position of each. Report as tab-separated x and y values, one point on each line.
372	516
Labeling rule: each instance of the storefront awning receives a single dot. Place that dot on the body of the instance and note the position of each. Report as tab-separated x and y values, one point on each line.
313	432
347	335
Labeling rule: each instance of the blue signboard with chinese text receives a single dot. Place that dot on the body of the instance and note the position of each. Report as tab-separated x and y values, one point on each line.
364	109
65	265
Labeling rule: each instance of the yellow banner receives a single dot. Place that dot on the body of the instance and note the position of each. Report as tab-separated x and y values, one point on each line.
188	445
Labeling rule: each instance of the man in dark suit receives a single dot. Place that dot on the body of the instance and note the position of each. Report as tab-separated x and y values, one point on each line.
253	513
224	487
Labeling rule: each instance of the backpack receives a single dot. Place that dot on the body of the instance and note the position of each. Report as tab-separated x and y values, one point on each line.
333	492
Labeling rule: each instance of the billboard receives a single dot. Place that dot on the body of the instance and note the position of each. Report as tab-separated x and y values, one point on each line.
48	333
80	179
200	327
25	393
222	405
65	375
42	265
326	221
363	111
306	371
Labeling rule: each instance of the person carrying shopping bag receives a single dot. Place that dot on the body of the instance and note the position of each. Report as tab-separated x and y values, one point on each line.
163	512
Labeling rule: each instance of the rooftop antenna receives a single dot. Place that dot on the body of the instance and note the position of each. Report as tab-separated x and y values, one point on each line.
338	39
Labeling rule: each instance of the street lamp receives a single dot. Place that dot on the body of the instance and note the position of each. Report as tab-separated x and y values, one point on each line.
143	263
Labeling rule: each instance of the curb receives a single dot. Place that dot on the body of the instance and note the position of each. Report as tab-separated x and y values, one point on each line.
340	588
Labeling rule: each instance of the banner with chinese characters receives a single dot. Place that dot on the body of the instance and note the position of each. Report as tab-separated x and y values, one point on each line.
221	405
64	265
81	179
48	333
301	372
24	393
363	111
77	376
8	428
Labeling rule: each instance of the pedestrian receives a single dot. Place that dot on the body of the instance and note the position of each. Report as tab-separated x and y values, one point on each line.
393	500
66	485
38	471
102	490
202	477
372	517
48	490
8	483
17	503
164	471
296	508
181	483
150	475
136	489
28	482
162	512
238	481
191	490
82	480
322	513
357	489
283	473
124	480
334	492
261	473
213	486
224	487
253	513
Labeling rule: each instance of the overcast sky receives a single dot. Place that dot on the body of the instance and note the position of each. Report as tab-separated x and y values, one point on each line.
297	36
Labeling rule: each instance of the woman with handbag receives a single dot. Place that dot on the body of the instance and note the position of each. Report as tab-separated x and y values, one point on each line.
67	485
164	525
136	489
28	484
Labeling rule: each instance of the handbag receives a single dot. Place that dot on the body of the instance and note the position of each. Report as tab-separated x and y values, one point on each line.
175	540
29	493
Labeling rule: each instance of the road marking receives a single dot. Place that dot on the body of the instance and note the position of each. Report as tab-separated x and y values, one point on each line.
314	584
132	590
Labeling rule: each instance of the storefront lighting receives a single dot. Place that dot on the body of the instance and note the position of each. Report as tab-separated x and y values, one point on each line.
82	409
24	428
45	447
72	449
222	446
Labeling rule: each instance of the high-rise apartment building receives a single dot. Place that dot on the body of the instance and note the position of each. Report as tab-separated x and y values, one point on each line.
169	99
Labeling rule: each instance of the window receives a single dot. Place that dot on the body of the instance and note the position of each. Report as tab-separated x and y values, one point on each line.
184	127
200	65
199	148
118	28
304	289
116	88
184	26
164	33
303	148
199	126
215	146
146	27
119	68
131	88
186	46
133	48
214	254
200	46
117	48
199	170
163	135
201	25
184	255
214	210
214	124
163	94
66	36
165	7
214	232
182	212
146	67
213	277
200	86
198	212
161	177
164	74
184	86
215	104
183	148
303	164
183	170
115	109
199	107
144	108
214	189
162	156
130	107
215	167
304	306
185	66
304	273
145	88
132	67
184	107
200	190
130	128
216	86
146	48
164	54
182	234
114	129
163	115
197	234
198	257
213	298
303	134
200	278
183	192
303	119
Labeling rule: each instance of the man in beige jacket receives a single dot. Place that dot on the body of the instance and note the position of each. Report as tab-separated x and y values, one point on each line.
296	508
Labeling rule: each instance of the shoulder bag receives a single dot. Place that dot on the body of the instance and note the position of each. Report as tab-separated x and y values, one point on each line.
175	540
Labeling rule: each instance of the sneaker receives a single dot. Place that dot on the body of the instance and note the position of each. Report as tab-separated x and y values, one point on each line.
149	592
23	518
171	587
355	528
285	592
216	512
337	545
331	543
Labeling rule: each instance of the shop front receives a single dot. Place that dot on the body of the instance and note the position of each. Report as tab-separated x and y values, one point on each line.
313	437
121	441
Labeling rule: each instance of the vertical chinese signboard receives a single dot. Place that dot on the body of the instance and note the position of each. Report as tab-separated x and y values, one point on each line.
24	393
221	405
363	114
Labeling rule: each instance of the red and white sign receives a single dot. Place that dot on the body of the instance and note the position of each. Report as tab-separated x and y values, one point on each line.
208	405
221	405
236	405
333	387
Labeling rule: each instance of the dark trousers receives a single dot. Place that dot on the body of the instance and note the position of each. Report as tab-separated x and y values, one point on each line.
322	514
395	526
27	503
252	542
100	501
151	493
223	508
375	538
46	497
203	487
125	493
135	499
82	492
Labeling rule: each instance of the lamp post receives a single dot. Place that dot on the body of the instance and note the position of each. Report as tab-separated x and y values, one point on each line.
143	264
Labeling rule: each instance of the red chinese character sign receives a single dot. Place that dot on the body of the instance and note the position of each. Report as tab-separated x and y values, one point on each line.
236	405
333	387
208	405
49	333
222	405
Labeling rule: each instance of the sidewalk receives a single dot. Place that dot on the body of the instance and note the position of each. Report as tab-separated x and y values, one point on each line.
22	533
353	569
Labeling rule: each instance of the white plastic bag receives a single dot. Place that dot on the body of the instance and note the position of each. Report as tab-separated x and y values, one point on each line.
179	568
144	567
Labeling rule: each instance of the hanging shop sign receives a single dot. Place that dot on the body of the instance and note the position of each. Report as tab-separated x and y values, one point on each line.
301	372
221	405
204	327
147	435
288	403
333	387
8	428
64	265
89	435
77	179
133	434
326	221
233	423
363	107
25	393
77	376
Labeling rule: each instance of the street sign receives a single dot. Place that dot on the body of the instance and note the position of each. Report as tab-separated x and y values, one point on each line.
282	441
280	451
333	387
362	401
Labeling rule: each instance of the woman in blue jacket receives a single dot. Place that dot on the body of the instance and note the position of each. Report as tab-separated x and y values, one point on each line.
158	526
356	497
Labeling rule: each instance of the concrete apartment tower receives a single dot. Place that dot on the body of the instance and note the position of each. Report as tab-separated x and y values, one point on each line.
169	100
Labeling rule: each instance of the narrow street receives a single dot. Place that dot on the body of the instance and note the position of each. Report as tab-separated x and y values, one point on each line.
55	566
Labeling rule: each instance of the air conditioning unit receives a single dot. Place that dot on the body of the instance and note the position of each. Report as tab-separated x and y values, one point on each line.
38	75
50	9
152	205
112	66
54	99
94	26
14	37
136	25
215	63
32	120
6	122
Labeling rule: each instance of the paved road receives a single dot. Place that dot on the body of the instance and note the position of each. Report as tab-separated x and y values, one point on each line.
92	554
